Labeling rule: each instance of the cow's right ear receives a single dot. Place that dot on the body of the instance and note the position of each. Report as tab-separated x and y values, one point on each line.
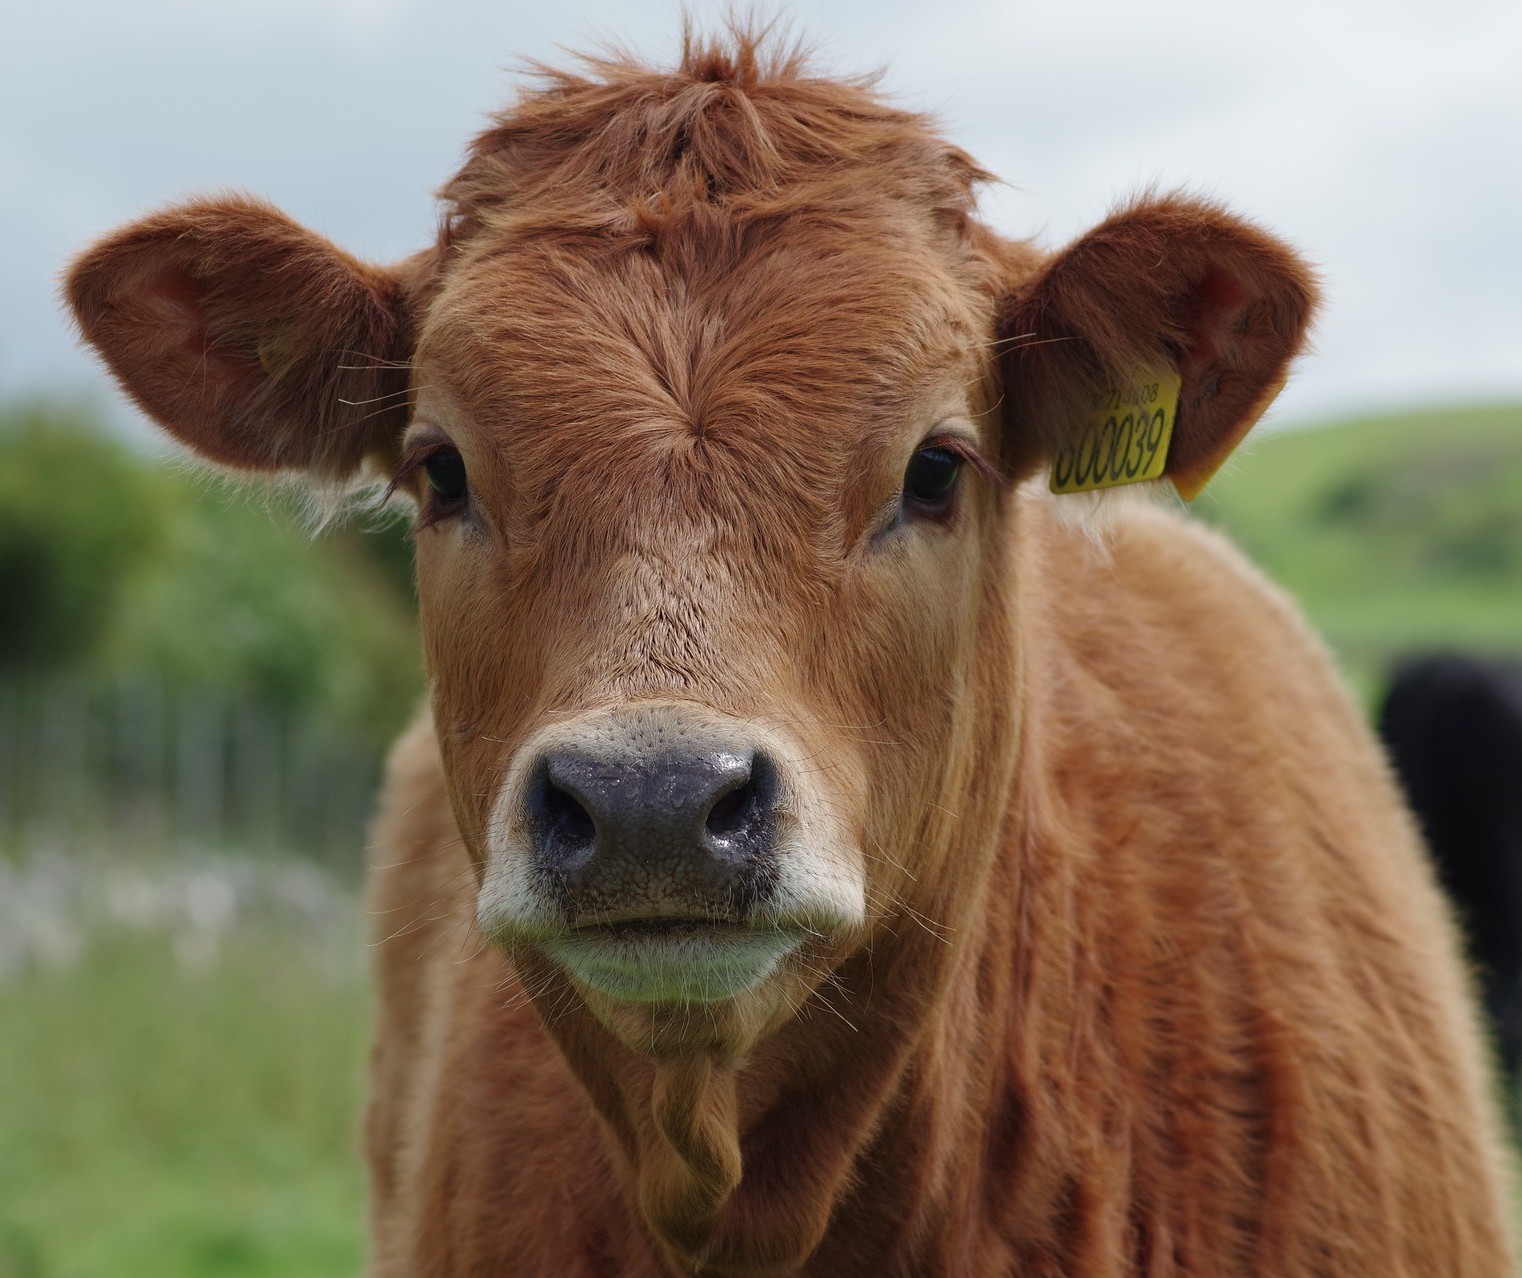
249	338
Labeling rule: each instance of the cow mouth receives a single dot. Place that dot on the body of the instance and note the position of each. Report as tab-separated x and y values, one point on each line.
672	960
662	928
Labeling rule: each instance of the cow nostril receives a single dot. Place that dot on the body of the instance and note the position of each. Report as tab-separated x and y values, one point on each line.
565	817
732	811
746	808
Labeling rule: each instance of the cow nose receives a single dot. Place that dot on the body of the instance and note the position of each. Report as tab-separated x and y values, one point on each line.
616	831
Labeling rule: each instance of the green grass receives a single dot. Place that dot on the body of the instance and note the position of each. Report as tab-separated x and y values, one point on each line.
159	1121
1396	533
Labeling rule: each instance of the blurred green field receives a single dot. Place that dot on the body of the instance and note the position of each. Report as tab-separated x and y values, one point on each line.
169	1119
181	1082
1396	533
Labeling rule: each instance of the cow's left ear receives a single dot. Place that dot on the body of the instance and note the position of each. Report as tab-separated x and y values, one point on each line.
1170	286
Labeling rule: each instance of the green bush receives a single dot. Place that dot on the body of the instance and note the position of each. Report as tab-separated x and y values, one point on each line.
78	519
117	565
241	597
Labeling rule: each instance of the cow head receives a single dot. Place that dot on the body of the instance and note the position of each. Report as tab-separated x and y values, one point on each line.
714	403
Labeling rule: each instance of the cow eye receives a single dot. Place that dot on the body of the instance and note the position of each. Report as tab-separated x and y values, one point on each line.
930	481
445	470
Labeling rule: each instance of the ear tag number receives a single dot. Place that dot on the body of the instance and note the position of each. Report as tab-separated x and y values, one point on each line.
1125	437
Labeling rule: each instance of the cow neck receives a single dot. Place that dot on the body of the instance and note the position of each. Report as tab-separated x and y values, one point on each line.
744	1169
887	1077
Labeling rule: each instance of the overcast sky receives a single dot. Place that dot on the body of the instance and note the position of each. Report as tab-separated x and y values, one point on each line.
1382	137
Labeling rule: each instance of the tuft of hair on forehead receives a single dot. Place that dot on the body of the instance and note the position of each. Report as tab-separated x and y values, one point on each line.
743	123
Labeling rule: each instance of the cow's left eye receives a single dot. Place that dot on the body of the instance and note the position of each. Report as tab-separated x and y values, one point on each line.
930	482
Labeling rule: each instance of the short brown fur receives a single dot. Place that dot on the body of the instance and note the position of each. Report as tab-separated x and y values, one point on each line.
1153	979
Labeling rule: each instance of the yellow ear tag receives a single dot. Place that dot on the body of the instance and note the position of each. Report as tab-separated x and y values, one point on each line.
1125	437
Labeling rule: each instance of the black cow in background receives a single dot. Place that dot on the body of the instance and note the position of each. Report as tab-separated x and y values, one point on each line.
1453	726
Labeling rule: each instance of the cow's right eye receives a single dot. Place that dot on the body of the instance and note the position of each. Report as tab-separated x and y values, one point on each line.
445	470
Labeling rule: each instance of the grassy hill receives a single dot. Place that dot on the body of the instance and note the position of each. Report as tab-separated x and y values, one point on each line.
1397	533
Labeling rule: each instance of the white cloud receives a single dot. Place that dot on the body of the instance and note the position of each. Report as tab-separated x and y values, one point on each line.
1380	137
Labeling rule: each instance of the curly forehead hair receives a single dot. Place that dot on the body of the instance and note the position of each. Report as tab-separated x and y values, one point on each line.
741	124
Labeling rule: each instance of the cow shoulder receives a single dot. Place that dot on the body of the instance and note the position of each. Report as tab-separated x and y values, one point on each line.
1197	696
1238	855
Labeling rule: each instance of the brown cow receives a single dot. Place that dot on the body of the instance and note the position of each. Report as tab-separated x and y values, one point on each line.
887	876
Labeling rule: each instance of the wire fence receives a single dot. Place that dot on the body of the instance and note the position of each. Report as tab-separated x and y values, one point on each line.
136	764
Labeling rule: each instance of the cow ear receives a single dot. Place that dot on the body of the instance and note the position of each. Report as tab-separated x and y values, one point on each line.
249	338
1169	288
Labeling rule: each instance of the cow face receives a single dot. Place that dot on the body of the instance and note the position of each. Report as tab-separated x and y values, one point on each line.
715	499
701	550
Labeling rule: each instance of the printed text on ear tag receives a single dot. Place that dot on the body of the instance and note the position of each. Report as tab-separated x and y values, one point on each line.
1124	439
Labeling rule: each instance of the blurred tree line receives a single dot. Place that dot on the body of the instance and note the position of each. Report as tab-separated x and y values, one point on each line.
154	594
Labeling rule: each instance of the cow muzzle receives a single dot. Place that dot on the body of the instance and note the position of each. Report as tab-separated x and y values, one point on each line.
688	827
665	854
